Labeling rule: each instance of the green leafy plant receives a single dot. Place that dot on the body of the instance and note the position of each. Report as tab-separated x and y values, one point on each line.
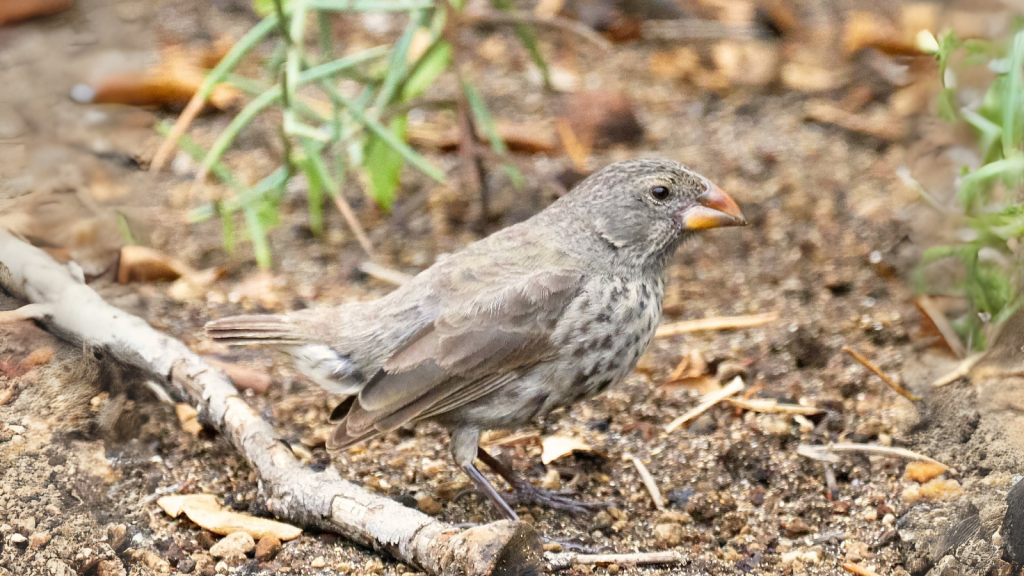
990	196
329	136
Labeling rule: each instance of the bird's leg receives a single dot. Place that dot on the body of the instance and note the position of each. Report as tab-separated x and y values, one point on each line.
523	492
463	445
482	485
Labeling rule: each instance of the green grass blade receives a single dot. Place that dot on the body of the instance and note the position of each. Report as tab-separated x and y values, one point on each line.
227	224
258	236
240	121
528	38
314	154
370	5
484	119
1014	97
314	192
231	59
410	155
397	64
434	61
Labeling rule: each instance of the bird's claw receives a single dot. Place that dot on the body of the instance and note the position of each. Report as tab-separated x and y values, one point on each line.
562	500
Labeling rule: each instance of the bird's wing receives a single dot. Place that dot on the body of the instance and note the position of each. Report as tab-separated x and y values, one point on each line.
493	322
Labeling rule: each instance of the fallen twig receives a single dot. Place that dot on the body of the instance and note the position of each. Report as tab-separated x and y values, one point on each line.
716	323
859	570
648	480
709	400
827	452
566	560
878	372
191	111
932	311
963	369
556	22
772	406
293	493
350	218
386	274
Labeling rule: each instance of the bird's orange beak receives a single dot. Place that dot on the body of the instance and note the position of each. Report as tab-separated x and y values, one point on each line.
714	209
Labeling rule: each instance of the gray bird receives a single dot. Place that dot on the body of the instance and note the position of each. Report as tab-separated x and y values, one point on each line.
537	316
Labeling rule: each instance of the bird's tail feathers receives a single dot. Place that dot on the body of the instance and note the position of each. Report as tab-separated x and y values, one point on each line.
255	329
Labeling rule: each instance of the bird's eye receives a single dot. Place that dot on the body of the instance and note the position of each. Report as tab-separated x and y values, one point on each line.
660	193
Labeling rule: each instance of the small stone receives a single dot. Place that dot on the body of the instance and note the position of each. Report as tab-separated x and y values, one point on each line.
675	517
17	430
601	520
117	537
552	480
25	526
112	568
154	562
427	504
552	547
922	472
613	569
234	544
37	540
267	548
796	527
432	468
857	551
318	562
205	564
18	540
668	535
617	513
186	565
870	515
373	566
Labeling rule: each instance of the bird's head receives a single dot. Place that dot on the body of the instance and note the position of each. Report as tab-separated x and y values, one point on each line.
647	207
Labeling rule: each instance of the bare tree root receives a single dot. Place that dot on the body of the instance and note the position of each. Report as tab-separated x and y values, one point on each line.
62	302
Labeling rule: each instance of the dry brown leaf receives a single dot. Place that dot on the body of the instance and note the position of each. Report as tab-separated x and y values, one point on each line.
748	63
548	8
555	447
204	510
17	10
871	30
882	125
600	119
142	264
520	138
187	416
808	77
170	83
174	505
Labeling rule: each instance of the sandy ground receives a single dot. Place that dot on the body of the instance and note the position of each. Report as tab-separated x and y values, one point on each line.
833	239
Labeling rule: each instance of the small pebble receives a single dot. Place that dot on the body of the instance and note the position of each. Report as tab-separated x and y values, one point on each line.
552	547
267	548
318	562
37	540
613	568
552	480
432	468
234	544
668	535
427	503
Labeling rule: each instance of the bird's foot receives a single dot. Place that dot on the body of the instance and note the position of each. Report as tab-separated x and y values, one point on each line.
525	493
